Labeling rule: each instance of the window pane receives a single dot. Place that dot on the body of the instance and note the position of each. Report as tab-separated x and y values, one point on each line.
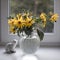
36	6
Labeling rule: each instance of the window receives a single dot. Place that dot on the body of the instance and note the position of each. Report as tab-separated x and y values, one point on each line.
36	6
49	40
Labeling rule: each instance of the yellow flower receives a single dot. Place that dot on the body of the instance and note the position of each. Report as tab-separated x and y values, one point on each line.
44	24
43	16
44	19
19	23
29	22
11	22
54	17
12	29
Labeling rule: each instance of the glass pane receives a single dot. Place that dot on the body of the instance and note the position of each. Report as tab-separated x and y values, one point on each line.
36	6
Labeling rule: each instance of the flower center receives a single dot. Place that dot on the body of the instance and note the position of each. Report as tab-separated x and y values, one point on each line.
29	21
19	22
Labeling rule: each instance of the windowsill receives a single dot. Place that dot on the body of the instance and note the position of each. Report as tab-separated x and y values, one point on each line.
48	33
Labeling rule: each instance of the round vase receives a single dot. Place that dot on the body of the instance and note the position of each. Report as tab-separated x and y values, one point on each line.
30	45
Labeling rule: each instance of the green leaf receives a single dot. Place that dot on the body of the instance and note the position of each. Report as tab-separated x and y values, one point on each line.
10	17
18	32
40	34
28	30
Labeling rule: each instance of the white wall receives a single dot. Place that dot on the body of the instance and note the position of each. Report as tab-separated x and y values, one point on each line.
0	20
53	39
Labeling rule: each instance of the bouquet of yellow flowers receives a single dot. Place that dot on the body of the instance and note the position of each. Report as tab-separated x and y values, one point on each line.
26	22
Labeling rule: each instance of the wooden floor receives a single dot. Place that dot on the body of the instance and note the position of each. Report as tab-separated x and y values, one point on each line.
42	54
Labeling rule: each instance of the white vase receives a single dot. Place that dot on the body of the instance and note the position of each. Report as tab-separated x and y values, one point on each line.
30	45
